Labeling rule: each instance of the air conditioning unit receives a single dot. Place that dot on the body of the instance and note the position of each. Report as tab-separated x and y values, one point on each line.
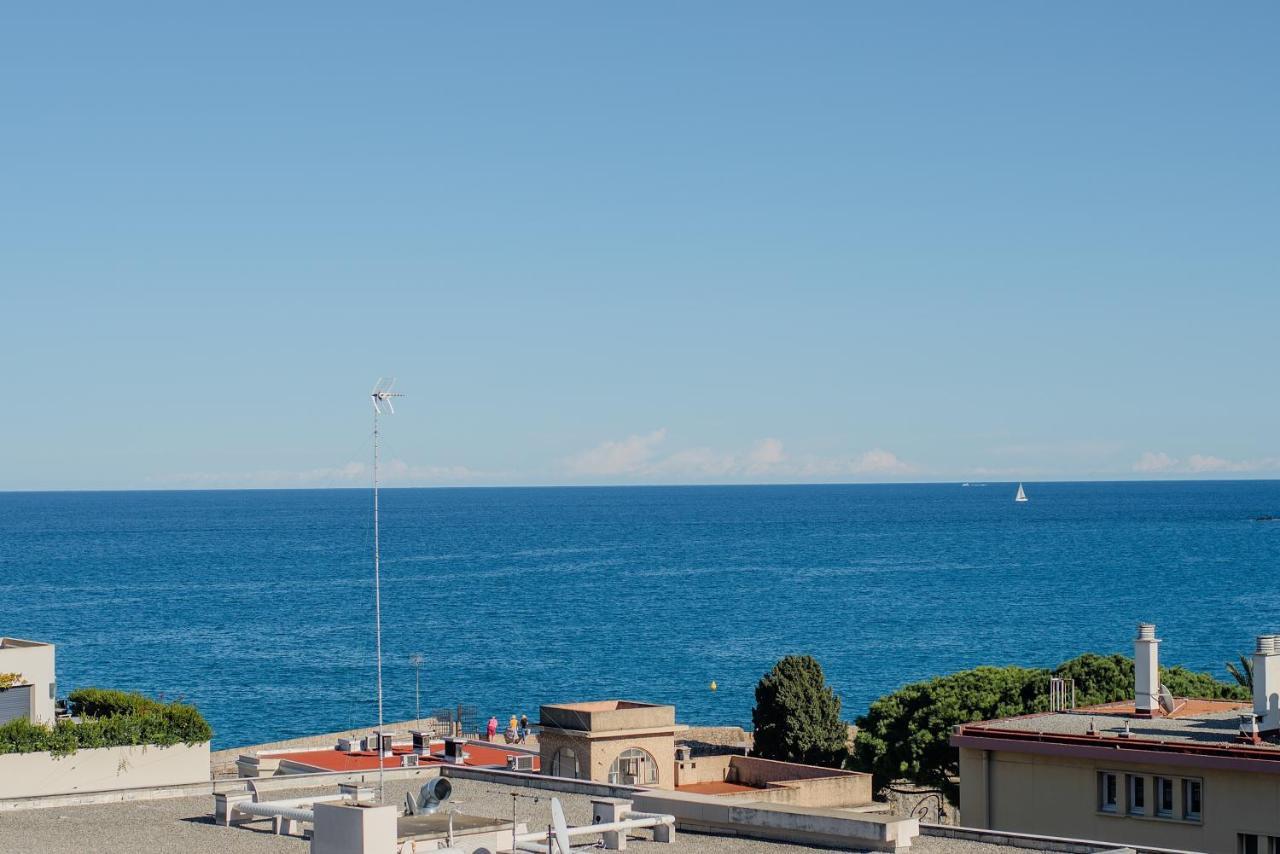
350	745
521	762
408	760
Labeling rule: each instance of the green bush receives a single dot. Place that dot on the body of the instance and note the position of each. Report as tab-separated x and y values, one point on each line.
108	719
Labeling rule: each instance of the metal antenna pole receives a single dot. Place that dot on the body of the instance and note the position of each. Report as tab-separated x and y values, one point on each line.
381	395
416	660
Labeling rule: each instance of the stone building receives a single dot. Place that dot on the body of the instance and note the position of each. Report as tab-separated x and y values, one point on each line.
610	741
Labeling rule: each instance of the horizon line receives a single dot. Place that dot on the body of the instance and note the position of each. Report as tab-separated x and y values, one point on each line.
956	482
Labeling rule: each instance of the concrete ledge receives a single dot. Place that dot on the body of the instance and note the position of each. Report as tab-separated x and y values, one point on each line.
1036	842
540	781
810	825
111	796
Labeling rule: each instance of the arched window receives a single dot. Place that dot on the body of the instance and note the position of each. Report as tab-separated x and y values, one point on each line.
565	763
634	767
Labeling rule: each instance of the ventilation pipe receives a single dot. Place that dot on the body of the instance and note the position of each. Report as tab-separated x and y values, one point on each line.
1146	669
1266	683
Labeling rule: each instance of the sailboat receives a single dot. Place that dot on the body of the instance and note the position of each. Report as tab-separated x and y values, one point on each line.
1021	496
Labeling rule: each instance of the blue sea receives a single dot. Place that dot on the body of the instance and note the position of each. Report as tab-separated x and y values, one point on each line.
257	605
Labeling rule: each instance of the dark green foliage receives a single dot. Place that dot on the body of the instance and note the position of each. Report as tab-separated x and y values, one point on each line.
105	702
1098	678
797	715
108	719
1188	683
905	734
1242	674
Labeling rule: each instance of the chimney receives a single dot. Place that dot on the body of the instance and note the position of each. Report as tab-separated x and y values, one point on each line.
1266	683
1146	669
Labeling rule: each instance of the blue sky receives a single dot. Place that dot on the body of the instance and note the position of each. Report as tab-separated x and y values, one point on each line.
655	242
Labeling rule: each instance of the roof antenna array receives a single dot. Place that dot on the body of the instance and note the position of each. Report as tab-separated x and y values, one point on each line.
382	396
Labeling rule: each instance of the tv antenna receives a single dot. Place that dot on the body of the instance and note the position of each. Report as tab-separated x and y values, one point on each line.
382	396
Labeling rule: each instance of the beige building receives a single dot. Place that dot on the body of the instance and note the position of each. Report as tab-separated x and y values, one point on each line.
33	694
1165	772
610	741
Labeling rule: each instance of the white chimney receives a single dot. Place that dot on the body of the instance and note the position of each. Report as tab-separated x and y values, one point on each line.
1266	683
1146	669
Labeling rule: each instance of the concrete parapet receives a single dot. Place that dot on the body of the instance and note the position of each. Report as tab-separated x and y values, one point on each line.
814	826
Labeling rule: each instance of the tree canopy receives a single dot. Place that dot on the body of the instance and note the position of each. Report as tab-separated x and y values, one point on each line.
797	715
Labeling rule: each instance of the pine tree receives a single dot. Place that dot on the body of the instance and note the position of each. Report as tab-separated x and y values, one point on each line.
797	715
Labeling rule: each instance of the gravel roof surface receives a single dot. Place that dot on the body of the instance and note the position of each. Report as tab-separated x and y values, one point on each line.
1210	728
185	826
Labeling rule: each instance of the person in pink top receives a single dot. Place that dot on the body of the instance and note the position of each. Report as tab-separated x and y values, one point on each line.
493	727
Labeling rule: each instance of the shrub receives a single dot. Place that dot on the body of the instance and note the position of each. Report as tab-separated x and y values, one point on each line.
797	715
108	719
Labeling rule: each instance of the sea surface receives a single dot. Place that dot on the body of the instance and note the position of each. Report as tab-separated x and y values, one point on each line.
258	605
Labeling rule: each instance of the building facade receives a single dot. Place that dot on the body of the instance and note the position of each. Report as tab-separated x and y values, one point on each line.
33	693
1164	772
610	741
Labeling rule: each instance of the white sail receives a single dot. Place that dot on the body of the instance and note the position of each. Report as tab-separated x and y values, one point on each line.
1021	496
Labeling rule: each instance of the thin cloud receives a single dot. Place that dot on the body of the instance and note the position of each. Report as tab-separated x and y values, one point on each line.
641	457
627	456
1155	461
1158	462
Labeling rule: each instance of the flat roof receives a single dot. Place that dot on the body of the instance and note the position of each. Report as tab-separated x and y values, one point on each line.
477	755
7	643
605	705
1195	728
186	824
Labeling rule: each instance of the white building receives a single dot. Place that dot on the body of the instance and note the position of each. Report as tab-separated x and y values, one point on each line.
32	694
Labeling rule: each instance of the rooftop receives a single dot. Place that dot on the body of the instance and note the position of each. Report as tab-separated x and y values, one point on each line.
330	759
604	716
185	824
14	643
1195	728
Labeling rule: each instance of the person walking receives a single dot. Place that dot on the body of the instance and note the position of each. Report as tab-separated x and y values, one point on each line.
493	727
524	728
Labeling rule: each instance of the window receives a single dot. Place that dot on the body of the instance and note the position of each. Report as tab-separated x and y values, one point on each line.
1191	795
1247	843
565	763
1107	786
634	767
1164	796
1137	794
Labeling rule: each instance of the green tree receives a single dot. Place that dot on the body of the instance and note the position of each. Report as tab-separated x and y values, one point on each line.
906	734
1242	674
797	715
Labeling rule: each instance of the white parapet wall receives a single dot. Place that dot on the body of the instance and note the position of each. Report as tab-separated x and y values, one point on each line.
102	769
831	828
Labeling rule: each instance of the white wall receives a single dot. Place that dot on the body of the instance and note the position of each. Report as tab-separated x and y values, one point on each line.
102	769
36	664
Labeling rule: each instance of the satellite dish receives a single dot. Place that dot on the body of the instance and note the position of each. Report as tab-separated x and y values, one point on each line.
561	827
1166	700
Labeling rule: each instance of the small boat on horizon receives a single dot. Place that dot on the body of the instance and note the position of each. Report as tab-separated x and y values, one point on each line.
1021	496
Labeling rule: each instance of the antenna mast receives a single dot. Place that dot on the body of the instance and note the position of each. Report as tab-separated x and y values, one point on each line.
382	396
